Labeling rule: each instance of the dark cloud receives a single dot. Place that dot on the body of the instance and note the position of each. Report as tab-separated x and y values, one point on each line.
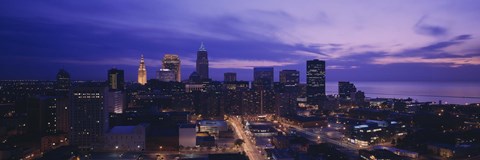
430	30
444	44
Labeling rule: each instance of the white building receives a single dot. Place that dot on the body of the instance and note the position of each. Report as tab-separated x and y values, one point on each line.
125	138
213	127
187	134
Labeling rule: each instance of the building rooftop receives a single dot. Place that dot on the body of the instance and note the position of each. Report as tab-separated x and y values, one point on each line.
187	125
123	130
217	123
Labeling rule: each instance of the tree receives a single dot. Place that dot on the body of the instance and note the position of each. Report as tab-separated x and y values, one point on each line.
239	142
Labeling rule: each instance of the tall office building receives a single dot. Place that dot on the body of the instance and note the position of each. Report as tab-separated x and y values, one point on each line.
202	62
230	77
263	77
88	118
172	62
166	75
346	89
142	72
62	85
289	77
116	80
315	81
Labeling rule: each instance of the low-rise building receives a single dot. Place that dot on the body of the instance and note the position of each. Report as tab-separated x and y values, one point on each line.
125	138
187	135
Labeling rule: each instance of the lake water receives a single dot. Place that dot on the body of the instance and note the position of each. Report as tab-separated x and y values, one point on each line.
450	92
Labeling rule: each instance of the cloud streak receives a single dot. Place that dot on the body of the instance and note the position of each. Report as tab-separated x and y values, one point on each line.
186	62
452	62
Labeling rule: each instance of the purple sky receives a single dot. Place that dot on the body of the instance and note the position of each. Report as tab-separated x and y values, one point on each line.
369	41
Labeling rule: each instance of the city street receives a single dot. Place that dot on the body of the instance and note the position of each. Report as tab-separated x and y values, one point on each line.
250	149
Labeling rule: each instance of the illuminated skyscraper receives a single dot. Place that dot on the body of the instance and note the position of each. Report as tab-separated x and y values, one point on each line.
142	72
172	62
315	81
202	62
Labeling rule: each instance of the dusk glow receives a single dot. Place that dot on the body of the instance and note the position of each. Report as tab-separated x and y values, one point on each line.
371	37
240	80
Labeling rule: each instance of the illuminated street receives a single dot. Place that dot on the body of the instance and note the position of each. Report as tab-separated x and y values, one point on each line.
250	149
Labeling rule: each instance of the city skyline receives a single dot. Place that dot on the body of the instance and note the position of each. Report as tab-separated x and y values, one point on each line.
374	44
240	80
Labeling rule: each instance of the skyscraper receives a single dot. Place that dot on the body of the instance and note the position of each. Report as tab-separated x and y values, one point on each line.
263	77
289	77
62	85
88	117
230	77
346	89
142	72
116	80
315	81
172	62
202	62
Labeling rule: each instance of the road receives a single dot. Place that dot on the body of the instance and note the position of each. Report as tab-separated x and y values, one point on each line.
350	149
250	149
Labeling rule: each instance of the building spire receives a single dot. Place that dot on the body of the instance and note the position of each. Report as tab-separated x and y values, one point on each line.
202	47
142	72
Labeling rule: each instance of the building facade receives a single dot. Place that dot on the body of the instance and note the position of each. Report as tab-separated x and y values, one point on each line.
88	118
